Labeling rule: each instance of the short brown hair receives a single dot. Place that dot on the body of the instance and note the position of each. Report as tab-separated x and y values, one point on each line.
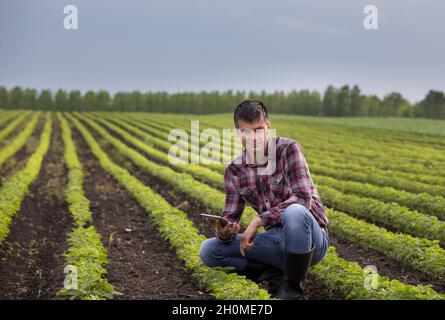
250	111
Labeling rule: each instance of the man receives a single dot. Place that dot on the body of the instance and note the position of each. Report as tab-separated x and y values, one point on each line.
288	206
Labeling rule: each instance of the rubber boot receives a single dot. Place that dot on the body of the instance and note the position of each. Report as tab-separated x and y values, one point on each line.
296	267
273	278
259	272
254	270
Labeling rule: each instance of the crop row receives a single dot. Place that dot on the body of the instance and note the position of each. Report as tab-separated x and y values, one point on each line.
13	125
19	141
15	188
423	202
5	116
86	252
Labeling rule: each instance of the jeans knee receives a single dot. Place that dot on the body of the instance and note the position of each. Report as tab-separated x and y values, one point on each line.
207	252
296	214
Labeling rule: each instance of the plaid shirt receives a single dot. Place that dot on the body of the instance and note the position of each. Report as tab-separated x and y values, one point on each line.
270	195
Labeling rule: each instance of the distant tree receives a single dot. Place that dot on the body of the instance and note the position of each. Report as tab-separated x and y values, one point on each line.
343	102
330	101
137	100
4	98
371	106
45	100
74	101
395	105
103	101
356	102
30	98
16	98
60	100
119	102
89	101
432	106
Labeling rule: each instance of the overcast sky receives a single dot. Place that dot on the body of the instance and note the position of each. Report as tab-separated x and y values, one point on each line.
218	45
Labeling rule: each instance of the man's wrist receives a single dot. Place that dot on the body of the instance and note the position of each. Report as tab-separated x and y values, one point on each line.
258	221
223	240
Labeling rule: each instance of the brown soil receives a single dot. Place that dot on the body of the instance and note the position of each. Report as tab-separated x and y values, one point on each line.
142	265
31	264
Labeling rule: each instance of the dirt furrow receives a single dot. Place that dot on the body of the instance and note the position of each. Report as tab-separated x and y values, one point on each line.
142	265
31	261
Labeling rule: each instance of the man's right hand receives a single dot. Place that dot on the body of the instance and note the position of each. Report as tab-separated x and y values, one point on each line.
228	231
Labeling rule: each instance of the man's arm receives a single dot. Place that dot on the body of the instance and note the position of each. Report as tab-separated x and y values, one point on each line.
297	172
235	205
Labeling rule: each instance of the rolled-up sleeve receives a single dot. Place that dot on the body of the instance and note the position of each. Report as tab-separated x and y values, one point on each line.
234	206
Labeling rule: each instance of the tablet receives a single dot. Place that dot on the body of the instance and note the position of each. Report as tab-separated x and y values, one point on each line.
216	218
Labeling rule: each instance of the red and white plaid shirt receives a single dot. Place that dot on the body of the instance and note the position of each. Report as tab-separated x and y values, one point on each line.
270	195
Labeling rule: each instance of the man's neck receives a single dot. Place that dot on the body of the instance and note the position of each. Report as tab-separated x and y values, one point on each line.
255	160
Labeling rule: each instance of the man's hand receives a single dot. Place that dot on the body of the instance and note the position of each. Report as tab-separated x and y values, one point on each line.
228	231
249	234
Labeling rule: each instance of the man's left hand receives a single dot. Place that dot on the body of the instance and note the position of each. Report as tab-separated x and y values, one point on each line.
249	234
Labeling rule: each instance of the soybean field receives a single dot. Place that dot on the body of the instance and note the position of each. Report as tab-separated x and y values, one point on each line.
92	207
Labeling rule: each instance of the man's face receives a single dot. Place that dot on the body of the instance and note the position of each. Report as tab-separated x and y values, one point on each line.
254	135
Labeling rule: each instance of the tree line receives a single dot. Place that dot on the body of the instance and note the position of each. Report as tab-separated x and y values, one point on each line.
338	102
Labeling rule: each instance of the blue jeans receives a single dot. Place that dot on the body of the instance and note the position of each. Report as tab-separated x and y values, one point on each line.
298	233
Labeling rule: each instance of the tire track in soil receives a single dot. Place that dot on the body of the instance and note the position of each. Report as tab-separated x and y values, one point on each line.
18	160
141	264
31	261
314	289
346	249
